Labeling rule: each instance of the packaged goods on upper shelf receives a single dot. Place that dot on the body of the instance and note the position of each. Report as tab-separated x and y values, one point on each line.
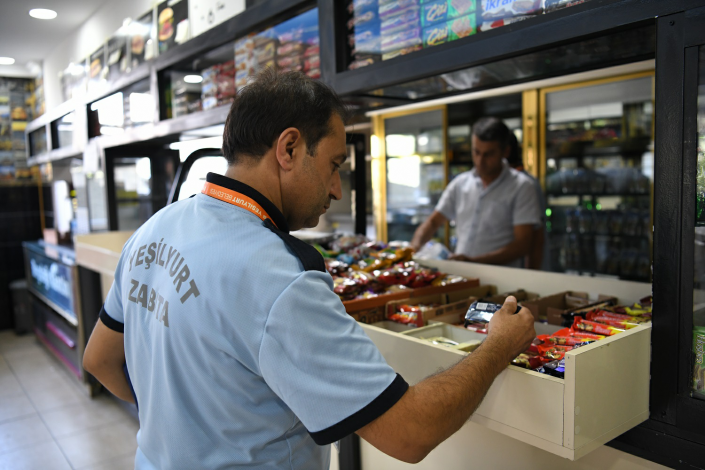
699	363
553	5
363	20
401	40
500	9
360	6
494	24
443	10
407	19
395	7
401	52
450	30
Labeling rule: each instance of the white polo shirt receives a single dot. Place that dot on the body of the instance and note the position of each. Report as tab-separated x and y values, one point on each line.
239	351
485	217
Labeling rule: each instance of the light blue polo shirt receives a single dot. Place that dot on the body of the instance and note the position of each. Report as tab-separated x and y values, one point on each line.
485	217
239	351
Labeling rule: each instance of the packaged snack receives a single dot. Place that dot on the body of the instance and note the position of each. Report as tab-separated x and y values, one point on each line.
594	327
401	52
264	51
449	31
448	279
402	39
357	6
396	276
477	327
407	314
528	361
699	363
555	368
494	24
290	49
363	19
553	351
553	5
395	7
409	18
569	337
443	10
337	268
313	62
481	312
290	61
500	9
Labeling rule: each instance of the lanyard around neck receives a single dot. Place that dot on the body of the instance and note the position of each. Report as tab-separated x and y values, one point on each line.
236	199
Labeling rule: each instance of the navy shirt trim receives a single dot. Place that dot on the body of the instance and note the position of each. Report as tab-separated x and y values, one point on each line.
110	322
388	398
249	191
308	255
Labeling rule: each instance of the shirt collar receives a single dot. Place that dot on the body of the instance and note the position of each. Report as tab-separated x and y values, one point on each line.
495	183
252	193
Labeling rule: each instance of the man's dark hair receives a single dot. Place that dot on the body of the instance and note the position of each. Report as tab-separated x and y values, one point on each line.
491	129
515	158
272	103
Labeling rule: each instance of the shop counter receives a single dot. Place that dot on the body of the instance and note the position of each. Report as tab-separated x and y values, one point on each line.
100	252
605	391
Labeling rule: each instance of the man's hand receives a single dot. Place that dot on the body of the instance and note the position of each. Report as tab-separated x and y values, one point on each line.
511	333
459	257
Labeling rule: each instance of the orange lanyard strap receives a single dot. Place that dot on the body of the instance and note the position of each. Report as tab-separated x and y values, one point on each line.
236	199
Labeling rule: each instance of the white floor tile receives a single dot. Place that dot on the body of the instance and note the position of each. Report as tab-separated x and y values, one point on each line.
101	444
42	456
126	462
15	406
22	432
78	418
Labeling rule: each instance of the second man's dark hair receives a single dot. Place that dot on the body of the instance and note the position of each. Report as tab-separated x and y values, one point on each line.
274	102
491	129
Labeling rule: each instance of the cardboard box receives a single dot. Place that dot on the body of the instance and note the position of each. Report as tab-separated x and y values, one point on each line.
552	307
521	295
451	310
373	309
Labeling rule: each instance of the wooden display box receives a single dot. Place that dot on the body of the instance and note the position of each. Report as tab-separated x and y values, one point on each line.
372	310
433	290
551	307
605	391
467	341
521	295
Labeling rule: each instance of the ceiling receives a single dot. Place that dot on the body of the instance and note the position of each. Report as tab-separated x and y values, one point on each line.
27	39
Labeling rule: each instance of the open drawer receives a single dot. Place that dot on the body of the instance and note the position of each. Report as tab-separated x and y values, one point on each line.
605	391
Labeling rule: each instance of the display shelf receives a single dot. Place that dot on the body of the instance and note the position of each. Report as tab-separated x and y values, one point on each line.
55	155
598	194
570	417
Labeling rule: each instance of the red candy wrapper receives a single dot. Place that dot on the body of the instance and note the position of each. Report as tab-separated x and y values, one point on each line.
593	327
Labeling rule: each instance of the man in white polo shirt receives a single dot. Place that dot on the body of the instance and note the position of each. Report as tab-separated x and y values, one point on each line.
239	352
495	208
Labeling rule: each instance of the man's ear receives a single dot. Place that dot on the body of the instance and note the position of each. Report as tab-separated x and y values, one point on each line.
286	146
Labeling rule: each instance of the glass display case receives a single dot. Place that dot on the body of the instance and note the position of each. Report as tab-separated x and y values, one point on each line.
698	389
415	170
133	106
62	131
598	169
37	142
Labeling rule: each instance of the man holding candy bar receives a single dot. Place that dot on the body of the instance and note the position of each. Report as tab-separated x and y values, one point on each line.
239	352
495	207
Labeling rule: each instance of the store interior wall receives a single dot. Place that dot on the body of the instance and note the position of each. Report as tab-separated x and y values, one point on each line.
107	18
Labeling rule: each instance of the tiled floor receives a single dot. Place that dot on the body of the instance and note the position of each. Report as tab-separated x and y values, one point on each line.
47	422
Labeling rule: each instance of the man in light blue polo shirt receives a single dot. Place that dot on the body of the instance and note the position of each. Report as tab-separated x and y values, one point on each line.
239	352
495	208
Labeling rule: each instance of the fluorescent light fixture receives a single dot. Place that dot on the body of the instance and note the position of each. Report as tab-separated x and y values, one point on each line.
6	61
42	14
405	171
399	145
193	79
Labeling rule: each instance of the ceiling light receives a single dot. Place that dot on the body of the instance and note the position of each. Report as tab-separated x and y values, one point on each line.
6	61
193	79
42	14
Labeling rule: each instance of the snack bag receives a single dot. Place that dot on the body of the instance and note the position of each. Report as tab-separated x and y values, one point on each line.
528	361
596	316
594	327
568	337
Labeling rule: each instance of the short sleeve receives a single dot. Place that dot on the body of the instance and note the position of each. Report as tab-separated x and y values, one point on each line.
527	209
447	204
320	362
112	314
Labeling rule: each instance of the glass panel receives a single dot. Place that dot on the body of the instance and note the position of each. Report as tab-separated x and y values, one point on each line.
380	30
211	80
699	277
130	107
141	188
62	131
415	180
612	49
73	81
197	175
38	142
599	175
